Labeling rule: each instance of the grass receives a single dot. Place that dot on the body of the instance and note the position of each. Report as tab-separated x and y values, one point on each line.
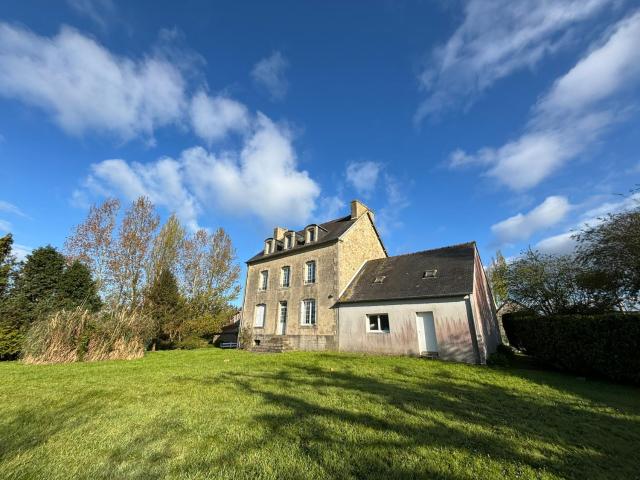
232	414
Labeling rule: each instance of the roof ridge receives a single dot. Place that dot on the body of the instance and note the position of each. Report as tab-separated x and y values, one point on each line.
457	245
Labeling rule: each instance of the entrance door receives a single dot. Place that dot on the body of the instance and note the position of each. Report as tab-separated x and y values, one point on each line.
282	319
426	327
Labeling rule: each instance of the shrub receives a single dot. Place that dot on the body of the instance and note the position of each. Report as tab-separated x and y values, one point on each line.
502	357
604	345
191	343
75	335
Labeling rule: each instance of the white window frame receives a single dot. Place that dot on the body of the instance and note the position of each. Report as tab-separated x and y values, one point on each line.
368	318
259	307
263	282
308	319
307	269
286	268
288	241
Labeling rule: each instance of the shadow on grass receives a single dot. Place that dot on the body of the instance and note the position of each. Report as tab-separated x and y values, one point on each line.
404	426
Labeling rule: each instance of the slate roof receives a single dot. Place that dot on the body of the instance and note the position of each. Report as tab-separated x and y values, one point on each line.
403	276
327	232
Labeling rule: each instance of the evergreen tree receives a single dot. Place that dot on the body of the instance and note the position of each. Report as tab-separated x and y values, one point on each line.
164	305
77	288
10	335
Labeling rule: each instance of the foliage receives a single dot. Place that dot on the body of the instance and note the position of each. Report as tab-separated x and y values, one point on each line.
604	345
132	251
191	343
497	273
229	414
611	248
78	288
7	264
92	242
549	284
75	335
502	357
167	248
165	306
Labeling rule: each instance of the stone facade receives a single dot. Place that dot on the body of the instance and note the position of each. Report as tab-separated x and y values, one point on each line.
336	263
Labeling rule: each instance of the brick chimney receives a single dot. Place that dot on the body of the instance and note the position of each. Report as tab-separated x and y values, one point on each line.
278	233
358	209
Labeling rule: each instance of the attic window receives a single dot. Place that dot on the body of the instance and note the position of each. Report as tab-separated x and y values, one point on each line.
430	273
379	279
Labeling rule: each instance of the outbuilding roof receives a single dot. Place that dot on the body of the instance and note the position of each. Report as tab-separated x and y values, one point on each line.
442	272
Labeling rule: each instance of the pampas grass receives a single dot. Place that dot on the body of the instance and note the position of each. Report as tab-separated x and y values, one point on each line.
80	335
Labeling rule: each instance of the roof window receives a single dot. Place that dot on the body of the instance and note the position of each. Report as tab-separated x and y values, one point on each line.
430	273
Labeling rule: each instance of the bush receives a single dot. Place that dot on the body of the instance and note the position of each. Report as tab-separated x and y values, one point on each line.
191	343
502	357
76	335
604	345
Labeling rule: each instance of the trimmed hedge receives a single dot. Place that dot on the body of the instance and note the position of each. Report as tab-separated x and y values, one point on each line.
604	345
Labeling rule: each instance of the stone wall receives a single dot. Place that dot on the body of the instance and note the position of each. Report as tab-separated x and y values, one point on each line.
359	244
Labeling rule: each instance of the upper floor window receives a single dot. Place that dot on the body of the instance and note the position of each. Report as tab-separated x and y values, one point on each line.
285	276
310	272
288	241
260	314
268	246
308	312
378	323
264	280
311	234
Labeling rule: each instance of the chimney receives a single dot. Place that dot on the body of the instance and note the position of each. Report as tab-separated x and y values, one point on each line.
358	209
278	233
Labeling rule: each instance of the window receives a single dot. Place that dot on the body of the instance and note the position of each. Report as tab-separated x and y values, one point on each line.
285	276
312	235
283	312
430	273
310	272
288	242
261	310
378	323
264	280
379	279
308	312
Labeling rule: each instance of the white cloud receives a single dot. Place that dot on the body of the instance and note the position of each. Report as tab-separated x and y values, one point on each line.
269	73
553	210
396	201
12	209
20	251
572	116
86	87
363	176
5	226
214	117
261	179
496	39
97	10
330	208
564	243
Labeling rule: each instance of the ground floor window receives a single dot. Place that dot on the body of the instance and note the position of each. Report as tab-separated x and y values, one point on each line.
259	315
378	322
308	312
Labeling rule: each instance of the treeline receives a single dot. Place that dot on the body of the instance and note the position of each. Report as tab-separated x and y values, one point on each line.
158	285
602	275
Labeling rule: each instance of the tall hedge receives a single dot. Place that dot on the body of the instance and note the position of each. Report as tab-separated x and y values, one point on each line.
604	345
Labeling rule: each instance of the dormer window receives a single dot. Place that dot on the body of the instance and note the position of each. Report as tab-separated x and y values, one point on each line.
288	241
268	246
430	273
311	234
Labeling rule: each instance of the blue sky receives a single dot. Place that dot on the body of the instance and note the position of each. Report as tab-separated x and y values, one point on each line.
507	122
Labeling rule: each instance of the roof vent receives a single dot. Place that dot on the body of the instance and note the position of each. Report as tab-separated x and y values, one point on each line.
379	279
430	273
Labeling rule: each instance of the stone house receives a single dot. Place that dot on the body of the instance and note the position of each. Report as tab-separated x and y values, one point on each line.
332	286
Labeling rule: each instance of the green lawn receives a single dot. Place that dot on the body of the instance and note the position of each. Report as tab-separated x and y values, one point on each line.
231	414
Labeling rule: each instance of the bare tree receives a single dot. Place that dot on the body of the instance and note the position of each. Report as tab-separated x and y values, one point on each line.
92	241
132	251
